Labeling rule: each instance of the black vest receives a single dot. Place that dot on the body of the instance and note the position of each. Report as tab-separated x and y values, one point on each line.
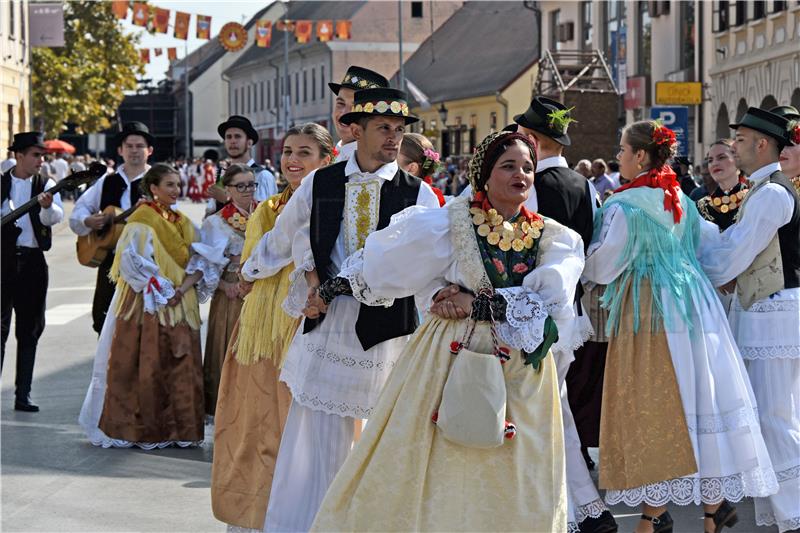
563	195
374	324
114	187
42	233
789	235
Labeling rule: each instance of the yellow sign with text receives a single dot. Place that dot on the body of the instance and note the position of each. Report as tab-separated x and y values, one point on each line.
679	93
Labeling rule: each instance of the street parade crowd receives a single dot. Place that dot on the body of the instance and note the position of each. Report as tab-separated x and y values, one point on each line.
385	355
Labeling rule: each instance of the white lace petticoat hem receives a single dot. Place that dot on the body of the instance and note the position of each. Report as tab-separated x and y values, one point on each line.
770	352
238	529
107	442
759	482
327	405
593	509
768	519
573	527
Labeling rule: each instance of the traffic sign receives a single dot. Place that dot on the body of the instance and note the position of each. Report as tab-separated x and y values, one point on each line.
679	92
675	118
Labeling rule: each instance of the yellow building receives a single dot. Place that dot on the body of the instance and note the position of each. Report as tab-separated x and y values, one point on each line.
15	71
473	74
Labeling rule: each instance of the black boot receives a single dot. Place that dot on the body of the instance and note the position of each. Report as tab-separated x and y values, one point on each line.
724	517
25	404
661	524
604	523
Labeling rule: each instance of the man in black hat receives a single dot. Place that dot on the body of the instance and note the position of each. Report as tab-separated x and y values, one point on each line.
24	269
758	258
355	79
121	190
327	219
239	137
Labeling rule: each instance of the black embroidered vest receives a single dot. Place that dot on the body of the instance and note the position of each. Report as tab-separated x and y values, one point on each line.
114	187
374	324
789	235
42	233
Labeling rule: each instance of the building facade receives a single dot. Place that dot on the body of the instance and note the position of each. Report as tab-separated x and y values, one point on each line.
15	70
741	53
279	87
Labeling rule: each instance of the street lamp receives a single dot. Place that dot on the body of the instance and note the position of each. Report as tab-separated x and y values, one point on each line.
443	114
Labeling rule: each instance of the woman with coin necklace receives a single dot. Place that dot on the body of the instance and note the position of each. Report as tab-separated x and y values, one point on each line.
217	255
721	206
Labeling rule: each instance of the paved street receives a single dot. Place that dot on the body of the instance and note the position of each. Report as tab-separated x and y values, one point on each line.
54	480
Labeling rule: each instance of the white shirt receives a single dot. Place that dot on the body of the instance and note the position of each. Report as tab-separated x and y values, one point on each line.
89	202
7	164
290	239
21	193
266	184
346	151
60	167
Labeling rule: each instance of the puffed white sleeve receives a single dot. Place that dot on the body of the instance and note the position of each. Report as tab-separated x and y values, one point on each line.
88	204
55	213
549	290
410	257
604	258
209	256
725	257
139	269
426	197
274	250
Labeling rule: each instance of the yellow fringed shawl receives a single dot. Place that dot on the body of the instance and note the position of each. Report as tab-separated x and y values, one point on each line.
171	249
265	330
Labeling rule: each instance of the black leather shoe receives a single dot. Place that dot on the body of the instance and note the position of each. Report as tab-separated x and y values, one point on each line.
661	524
26	405
604	523
724	517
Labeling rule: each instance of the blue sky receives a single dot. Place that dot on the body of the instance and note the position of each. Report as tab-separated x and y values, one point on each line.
220	12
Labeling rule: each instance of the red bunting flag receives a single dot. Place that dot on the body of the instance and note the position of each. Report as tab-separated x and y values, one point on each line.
303	30
120	8
263	33
324	30
158	52
141	14
182	25
160	19
284	25
343	28
172	54
203	27
144	55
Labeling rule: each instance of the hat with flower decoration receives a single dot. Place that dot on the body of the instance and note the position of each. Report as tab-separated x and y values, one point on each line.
791	114
379	102
763	121
358	78
548	117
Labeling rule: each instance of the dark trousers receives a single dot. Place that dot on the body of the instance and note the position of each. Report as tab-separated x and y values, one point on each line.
24	292
103	293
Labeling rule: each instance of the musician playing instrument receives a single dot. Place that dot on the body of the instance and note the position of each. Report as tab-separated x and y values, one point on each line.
121	190
24	269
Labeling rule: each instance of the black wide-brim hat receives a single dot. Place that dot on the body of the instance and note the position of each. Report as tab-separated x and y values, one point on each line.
537	118
359	78
765	122
238	121
26	139
786	111
379	103
135	128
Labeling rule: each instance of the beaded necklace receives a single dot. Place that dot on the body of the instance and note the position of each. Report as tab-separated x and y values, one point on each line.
165	211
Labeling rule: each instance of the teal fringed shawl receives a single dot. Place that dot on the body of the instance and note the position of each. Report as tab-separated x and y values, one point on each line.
661	252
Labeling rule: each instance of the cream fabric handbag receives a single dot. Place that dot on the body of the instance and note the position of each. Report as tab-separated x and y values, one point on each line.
473	408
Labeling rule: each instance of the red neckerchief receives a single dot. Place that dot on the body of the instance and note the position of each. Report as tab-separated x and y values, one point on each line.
661	178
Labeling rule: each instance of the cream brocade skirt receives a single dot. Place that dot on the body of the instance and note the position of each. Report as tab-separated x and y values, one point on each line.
404	476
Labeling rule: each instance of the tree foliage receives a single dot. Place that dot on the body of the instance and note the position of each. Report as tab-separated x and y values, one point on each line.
84	82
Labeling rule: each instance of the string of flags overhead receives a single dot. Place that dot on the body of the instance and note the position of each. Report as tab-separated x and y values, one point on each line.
233	36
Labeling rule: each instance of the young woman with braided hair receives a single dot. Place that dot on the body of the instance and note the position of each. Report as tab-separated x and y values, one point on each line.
678	421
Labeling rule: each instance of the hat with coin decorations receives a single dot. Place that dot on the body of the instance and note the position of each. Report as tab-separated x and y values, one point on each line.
379	103
358	78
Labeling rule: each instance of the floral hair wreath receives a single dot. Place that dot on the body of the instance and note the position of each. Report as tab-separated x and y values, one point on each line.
794	132
663	135
431	162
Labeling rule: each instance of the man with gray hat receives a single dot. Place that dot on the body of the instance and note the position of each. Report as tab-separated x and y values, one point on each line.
24	269
758	259
121	190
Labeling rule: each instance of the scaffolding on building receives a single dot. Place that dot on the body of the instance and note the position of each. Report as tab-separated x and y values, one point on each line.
583	71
